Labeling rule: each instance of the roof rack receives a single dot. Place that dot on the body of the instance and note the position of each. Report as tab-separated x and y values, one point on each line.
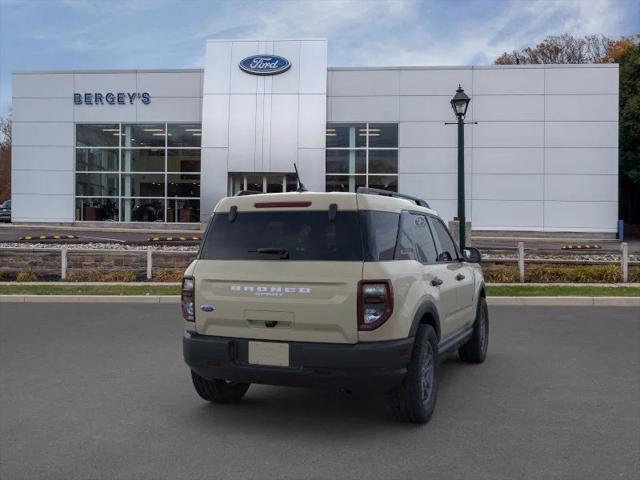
387	193
243	193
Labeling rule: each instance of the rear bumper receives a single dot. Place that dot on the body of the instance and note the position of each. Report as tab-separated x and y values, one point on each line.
376	366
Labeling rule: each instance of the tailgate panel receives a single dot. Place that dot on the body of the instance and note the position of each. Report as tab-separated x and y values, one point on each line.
304	301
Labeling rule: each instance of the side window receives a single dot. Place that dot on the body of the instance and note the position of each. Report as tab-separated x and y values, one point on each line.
380	231
415	240
447	251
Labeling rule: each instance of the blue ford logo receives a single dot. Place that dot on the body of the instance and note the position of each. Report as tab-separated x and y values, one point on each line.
207	308
265	64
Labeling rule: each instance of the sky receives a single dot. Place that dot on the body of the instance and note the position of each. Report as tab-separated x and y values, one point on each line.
107	34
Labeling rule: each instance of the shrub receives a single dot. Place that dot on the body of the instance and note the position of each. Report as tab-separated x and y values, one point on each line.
120	276
634	274
98	276
554	273
540	273
500	273
74	277
597	274
27	275
94	275
167	275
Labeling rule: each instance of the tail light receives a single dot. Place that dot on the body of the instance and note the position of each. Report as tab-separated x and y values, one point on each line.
375	303
188	300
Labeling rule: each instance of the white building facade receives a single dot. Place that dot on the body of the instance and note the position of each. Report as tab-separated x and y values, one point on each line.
163	146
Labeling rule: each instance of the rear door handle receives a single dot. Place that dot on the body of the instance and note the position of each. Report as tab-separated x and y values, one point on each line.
436	282
459	277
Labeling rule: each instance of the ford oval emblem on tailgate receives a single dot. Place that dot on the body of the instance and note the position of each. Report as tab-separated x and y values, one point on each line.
207	308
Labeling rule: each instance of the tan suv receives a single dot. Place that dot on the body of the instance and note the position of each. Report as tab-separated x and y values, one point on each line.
353	291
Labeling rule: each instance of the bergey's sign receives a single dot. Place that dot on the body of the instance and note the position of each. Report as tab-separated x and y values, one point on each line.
265	64
110	98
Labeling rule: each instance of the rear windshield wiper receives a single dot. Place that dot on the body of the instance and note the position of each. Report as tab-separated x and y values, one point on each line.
283	252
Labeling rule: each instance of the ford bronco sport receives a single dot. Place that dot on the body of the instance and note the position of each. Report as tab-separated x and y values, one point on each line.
359	290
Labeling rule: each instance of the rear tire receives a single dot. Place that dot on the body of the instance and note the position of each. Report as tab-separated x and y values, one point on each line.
219	391
415	400
475	349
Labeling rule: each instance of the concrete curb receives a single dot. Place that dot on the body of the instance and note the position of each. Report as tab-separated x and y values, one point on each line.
87	228
155	284
598	285
566	301
174	299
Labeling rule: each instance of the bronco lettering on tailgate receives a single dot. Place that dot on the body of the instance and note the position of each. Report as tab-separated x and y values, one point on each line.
269	290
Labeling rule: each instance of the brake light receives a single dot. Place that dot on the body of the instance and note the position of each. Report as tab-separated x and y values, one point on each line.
375	303
281	204
187	299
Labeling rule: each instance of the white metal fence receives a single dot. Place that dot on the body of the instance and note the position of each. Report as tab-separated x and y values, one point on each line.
522	261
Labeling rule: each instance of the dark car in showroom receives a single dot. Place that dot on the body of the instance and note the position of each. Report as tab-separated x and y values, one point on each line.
5	211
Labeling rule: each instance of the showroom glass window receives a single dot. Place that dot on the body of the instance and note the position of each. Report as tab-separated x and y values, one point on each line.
262	182
361	155
138	172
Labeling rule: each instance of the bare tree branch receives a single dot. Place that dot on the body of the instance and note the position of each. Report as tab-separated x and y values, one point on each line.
563	48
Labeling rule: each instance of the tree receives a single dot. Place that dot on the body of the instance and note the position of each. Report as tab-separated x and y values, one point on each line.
5	159
560	49
600	49
626	53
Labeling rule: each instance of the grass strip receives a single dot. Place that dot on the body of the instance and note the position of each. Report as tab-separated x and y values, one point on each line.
141	289
53	289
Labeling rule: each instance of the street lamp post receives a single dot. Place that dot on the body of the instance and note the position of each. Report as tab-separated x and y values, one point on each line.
460	103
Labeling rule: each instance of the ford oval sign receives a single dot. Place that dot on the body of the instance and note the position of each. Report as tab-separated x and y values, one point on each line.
265	64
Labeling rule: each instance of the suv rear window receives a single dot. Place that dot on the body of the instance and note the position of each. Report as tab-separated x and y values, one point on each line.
303	235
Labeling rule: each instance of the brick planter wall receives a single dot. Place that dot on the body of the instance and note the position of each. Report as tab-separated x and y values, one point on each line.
46	264
82	262
177	260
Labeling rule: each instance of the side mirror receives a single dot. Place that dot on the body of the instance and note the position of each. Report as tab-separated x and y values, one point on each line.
471	255
444	257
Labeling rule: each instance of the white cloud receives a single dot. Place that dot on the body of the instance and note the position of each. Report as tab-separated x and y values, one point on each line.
360	32
404	32
172	34
593	16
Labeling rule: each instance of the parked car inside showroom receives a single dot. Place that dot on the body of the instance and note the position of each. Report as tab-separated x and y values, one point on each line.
5	211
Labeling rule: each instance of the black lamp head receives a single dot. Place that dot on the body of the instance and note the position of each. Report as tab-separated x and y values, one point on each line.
460	102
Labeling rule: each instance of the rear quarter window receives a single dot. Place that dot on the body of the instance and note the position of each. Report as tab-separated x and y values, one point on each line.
380	233
306	235
415	240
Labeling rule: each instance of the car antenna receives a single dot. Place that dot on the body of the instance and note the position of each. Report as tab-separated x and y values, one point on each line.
301	187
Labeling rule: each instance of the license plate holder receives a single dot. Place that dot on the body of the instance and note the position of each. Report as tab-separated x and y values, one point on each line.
273	354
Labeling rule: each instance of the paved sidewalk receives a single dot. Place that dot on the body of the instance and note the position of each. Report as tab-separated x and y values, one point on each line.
133	299
560	284
604	285
566	301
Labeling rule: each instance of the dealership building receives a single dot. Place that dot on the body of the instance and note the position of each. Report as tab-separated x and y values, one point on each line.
164	146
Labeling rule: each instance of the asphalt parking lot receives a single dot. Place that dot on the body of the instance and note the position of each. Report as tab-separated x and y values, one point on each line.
100	391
